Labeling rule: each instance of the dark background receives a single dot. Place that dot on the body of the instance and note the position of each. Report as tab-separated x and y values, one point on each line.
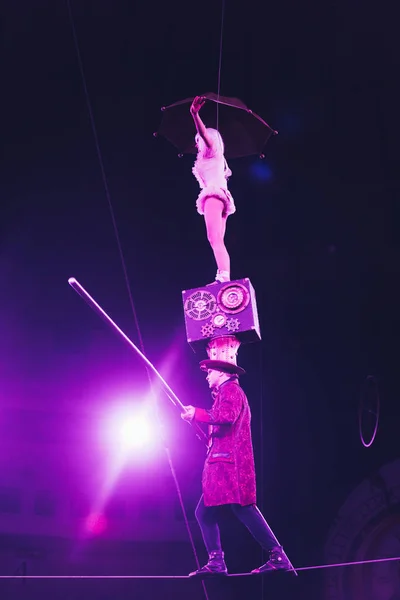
315	228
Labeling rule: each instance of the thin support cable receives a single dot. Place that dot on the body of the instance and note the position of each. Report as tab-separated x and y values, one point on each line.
103	172
125	271
349	564
220	59
310	568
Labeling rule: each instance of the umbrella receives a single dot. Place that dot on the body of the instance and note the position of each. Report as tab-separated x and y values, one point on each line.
244	133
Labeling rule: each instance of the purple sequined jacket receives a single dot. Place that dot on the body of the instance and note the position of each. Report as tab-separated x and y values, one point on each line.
229	472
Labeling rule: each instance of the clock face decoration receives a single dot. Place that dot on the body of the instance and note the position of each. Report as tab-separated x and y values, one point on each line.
367	528
233	298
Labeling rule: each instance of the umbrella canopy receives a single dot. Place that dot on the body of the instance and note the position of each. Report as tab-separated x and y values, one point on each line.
244	133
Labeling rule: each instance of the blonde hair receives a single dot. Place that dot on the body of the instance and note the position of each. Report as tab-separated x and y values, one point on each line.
204	153
215	137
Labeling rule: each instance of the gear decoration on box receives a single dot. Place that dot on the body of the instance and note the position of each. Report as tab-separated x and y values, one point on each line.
207	330
218	320
233	298
200	305
233	325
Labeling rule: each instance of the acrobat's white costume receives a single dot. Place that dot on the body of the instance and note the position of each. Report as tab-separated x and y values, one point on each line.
212	172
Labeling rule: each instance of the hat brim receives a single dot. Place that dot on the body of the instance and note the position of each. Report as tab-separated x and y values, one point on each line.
221	365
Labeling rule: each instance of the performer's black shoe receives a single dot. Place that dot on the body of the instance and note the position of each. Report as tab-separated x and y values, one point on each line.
215	566
277	561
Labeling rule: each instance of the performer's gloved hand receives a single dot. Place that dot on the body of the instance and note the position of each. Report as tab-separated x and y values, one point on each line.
188	415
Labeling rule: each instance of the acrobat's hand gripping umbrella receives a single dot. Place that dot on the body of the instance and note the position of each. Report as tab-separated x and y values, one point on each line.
244	133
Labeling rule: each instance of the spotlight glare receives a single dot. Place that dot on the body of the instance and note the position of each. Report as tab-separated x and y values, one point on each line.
134	432
129	429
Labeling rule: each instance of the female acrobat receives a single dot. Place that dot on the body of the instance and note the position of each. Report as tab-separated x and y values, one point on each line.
215	201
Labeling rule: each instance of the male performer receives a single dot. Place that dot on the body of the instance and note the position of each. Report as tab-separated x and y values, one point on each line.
229	471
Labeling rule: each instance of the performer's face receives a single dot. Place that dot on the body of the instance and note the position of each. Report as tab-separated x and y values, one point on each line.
213	378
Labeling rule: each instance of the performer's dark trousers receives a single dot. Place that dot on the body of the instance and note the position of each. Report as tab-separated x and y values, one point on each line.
250	516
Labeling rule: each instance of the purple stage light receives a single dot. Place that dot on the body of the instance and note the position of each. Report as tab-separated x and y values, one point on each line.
130	431
96	524
261	172
126	429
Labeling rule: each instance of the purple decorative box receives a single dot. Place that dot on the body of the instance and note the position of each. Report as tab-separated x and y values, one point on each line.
221	309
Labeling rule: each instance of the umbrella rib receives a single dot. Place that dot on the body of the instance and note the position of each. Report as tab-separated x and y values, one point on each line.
186	101
273	131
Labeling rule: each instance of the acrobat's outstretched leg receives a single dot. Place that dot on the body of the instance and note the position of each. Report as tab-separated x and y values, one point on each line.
216	225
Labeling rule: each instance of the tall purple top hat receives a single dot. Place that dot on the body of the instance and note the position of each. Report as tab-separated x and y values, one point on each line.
222	352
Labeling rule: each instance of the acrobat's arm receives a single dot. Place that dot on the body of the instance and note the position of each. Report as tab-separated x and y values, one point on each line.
197	103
